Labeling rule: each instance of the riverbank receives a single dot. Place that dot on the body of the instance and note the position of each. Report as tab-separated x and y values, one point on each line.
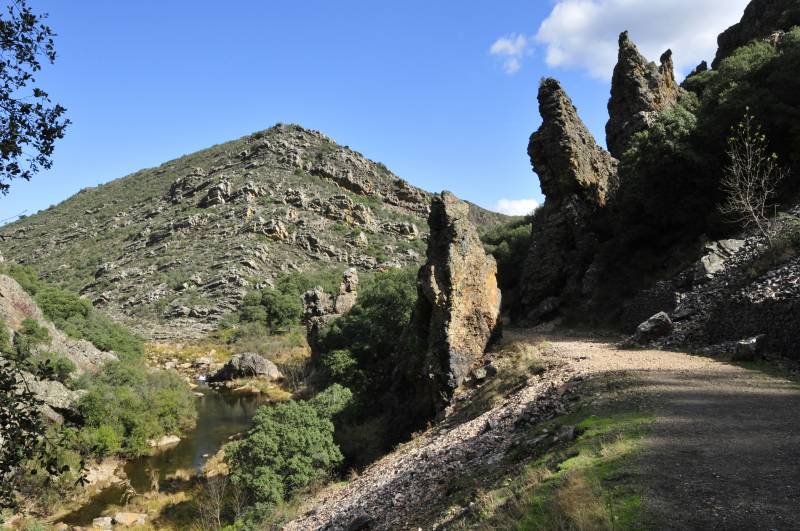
167	477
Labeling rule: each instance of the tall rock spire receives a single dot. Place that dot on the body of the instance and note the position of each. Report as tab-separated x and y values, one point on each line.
564	153
577	177
640	90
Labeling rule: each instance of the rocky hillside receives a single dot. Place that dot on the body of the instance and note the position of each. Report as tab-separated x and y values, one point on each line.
170	250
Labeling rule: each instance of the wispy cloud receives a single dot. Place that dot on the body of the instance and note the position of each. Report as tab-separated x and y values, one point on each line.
511	49
583	33
516	207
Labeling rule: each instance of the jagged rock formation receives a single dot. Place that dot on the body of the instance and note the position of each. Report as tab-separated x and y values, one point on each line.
171	250
458	306
640	90
320	308
577	176
761	19
16	306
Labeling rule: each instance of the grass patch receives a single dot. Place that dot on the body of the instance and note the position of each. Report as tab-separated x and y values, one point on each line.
578	486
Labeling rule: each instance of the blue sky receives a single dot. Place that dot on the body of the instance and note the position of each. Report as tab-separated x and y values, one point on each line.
444	93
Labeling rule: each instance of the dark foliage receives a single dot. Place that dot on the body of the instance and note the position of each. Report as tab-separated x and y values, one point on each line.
30	122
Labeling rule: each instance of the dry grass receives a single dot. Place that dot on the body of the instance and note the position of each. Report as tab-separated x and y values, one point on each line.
187	352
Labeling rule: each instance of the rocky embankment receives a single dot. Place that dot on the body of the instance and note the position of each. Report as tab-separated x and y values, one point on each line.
405	489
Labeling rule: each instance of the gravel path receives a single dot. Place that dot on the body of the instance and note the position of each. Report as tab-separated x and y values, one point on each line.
723	453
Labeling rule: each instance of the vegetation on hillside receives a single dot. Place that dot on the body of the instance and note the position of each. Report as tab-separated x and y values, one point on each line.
509	244
75	316
124	407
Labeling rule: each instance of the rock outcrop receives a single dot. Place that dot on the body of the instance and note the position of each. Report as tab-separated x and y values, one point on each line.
761	19
320	308
640	90
577	177
458	307
564	153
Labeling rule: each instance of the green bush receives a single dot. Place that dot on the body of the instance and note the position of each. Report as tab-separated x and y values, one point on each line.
340	367
360	346
30	335
136	404
289	447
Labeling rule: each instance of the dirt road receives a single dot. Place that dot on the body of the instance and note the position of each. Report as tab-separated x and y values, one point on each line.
723	452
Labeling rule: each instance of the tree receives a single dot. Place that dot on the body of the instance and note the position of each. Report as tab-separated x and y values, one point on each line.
751	178
289	446
22	428
30	122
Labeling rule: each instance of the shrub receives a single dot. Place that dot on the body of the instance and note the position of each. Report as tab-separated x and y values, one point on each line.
332	401
289	446
30	335
135	404
340	367
360	346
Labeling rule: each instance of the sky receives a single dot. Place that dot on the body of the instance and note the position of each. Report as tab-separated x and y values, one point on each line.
443	93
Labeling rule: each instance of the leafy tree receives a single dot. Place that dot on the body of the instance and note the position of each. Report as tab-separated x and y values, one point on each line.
509	244
29	122
289	447
23	432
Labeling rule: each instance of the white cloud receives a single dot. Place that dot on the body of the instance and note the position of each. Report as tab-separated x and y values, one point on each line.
583	33
511	49
516	207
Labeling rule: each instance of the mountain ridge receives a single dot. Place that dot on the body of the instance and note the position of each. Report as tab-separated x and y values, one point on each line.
170	250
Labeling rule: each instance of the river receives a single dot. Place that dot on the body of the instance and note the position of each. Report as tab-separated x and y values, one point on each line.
220	414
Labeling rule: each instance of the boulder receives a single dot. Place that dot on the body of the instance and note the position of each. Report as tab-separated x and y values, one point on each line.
713	262
103	522
346	298
130	519
458	305
248	365
656	327
640	91
57	398
749	349
164	442
219	194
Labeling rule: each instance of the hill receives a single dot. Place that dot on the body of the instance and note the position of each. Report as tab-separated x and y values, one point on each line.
171	250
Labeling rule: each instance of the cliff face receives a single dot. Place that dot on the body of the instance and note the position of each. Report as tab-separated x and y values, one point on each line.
761	19
577	176
640	90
